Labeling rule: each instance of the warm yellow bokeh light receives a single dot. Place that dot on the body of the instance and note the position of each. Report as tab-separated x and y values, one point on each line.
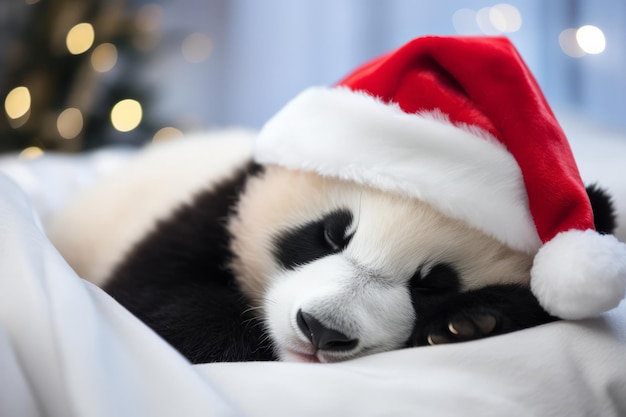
17	102
80	38
104	57
197	47
31	152
70	123
126	115
167	133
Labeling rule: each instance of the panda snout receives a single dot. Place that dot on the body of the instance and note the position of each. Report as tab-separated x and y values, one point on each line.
323	337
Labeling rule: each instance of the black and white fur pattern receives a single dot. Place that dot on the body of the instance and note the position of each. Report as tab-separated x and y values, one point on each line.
231	261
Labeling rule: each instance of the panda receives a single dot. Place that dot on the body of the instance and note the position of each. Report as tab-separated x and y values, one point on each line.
231	260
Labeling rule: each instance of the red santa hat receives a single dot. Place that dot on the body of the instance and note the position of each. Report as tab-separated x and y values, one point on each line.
461	123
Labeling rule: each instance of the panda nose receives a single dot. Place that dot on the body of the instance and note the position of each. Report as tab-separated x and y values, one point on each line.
321	336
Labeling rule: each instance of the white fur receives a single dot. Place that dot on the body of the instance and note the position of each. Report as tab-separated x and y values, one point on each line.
362	291
580	274
337	292
460	170
96	230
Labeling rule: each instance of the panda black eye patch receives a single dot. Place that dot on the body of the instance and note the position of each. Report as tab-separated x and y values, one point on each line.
313	240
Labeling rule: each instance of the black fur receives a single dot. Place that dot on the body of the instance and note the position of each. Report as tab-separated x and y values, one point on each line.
313	240
509	307
177	281
442	310
493	310
604	217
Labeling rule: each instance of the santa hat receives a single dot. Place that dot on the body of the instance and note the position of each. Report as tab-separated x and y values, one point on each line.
461	124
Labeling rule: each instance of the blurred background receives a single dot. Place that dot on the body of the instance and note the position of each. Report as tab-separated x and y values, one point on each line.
82	74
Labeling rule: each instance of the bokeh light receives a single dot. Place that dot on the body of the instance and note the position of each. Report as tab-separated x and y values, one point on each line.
197	47
80	38
505	18
585	40
104	57
17	102
167	133
483	19
31	152
70	123
569	44
591	39
464	21
498	19
126	115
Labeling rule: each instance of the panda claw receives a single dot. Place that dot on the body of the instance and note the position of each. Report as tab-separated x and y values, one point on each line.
435	339
462	328
477	314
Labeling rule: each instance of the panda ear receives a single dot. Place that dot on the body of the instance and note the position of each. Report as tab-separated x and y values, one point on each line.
604	218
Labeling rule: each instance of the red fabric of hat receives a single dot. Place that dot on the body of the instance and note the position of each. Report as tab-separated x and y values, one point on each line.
484	82
460	122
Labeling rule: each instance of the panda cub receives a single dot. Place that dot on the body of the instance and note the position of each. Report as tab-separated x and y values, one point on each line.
229	260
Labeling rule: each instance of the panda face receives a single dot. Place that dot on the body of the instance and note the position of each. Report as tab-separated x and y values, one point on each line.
331	263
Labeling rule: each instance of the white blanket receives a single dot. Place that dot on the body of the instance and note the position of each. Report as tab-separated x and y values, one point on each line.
68	349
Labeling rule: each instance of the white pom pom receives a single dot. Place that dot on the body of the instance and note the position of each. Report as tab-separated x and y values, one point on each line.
579	274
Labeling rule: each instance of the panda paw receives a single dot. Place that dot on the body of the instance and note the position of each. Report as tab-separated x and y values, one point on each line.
472	315
461	328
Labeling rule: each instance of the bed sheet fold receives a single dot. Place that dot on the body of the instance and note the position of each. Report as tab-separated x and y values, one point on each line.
68	349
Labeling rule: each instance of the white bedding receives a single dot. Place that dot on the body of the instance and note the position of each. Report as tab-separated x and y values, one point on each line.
67	349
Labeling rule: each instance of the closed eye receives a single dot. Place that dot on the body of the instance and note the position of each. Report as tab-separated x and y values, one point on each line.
336	227
313	240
